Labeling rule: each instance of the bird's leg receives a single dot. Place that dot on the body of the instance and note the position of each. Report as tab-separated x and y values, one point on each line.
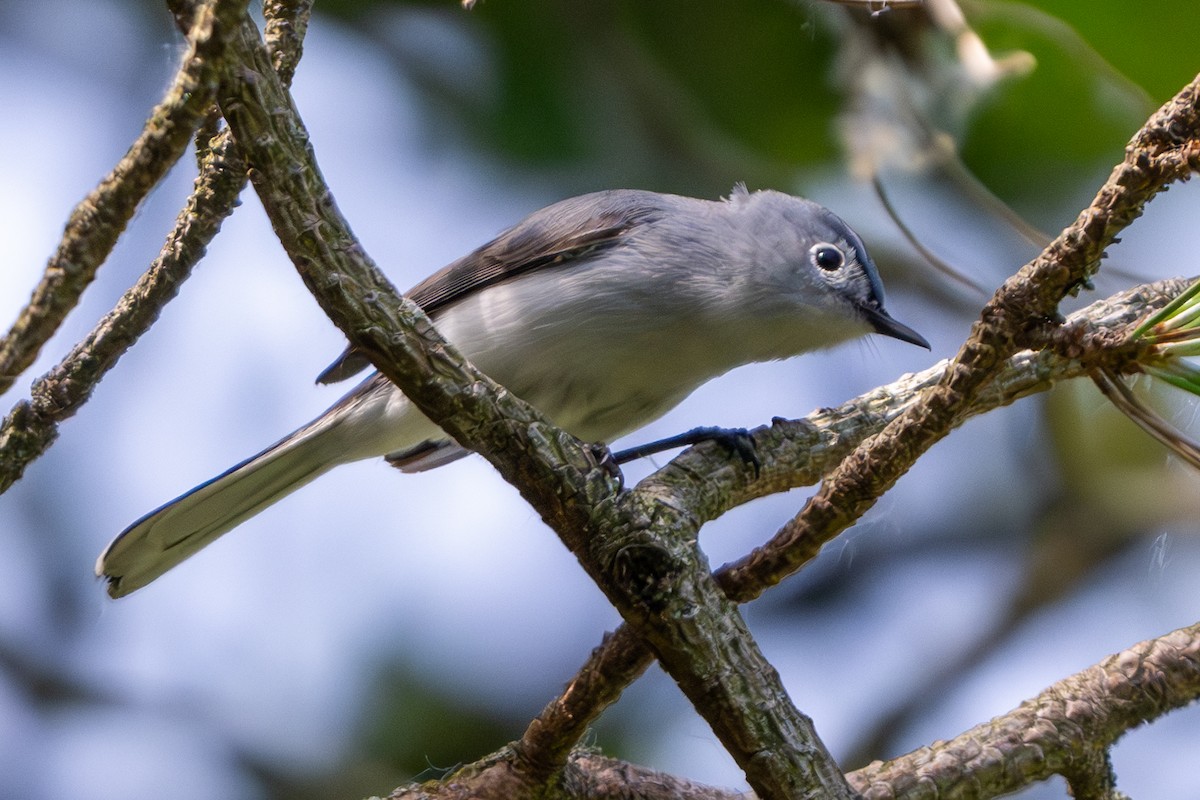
738	440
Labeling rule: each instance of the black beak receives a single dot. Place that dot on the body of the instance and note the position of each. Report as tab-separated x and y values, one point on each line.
882	323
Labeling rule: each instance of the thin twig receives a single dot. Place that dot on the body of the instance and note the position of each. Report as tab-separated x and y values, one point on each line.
936	261
286	25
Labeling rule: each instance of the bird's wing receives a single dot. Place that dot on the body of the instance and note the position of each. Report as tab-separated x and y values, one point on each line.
583	226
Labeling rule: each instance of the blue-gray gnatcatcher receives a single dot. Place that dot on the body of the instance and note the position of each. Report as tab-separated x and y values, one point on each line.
604	311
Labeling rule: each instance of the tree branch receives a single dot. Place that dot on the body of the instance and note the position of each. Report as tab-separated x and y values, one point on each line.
1023	312
654	563
1061	731
586	776
1164	150
32	426
96	223
287	23
642	555
797	453
1064	730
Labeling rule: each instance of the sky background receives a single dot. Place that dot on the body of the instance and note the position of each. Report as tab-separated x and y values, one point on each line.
352	635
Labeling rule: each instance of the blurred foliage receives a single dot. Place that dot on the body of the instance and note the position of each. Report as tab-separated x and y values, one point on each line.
1074	110
1153	45
693	94
681	94
690	95
415	730
420	732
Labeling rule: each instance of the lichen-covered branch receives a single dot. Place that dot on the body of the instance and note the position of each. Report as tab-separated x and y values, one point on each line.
96	223
800	452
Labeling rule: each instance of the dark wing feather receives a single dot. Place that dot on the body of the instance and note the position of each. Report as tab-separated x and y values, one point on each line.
583	226
351	362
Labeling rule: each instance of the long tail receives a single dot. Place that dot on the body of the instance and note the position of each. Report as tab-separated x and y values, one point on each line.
177	530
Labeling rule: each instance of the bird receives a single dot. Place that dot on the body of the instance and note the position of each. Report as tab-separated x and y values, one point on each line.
604	311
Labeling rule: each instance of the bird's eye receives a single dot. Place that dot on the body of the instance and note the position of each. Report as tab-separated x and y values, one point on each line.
827	256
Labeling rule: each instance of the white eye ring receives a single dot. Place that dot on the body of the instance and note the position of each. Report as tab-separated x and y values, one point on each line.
827	256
